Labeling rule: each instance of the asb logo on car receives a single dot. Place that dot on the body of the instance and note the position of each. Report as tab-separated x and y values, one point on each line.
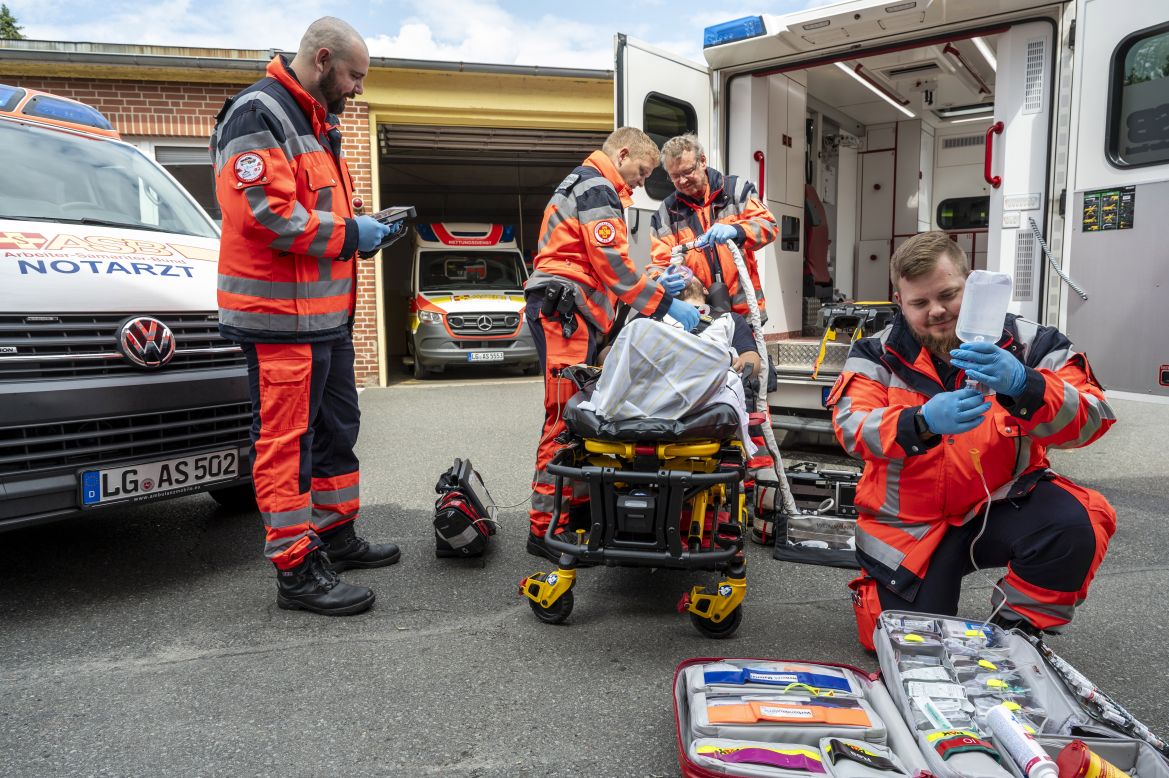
146	342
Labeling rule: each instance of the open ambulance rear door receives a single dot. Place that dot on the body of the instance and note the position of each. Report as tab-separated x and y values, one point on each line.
665	96
1117	229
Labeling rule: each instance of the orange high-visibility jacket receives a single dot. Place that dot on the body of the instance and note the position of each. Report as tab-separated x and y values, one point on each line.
584	240
285	258
911	488
729	200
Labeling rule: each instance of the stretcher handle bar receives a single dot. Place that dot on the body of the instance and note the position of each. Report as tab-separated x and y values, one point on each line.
672	477
994	129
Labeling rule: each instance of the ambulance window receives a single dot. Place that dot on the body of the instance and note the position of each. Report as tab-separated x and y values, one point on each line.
1138	112
664	117
964	213
191	167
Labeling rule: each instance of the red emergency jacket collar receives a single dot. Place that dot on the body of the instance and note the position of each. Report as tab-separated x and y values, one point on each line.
601	162
280	69
911	362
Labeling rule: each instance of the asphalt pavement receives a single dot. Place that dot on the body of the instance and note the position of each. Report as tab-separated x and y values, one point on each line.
146	641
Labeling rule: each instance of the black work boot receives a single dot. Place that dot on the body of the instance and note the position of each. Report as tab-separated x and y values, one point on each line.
346	551
312	586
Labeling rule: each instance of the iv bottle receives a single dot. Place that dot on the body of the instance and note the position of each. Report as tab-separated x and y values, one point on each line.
984	306
1020	744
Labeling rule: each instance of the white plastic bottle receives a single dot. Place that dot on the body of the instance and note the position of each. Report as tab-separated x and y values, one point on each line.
984	306
1020	744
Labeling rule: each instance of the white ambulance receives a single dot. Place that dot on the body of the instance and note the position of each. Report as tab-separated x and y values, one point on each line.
1034	132
115	385
467	306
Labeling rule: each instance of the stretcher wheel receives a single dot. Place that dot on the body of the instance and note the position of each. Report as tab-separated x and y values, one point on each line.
556	612
723	629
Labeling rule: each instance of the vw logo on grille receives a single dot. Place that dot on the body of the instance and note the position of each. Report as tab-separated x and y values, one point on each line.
146	342
483	323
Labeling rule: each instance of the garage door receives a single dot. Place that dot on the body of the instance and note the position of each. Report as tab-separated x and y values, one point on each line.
478	173
469	174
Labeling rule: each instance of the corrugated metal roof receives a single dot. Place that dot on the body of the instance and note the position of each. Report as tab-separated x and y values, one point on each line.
130	54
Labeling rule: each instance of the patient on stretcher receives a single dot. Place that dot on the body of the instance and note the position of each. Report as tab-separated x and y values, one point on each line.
657	371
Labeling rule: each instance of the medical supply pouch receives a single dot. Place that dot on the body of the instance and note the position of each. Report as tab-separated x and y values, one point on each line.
823	532
923	714
946	674
763	717
464	513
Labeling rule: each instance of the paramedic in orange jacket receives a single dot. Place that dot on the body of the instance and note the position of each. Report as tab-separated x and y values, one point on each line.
286	294
582	269
934	448
713	209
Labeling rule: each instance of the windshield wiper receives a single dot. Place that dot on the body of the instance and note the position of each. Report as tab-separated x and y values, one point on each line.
87	220
110	223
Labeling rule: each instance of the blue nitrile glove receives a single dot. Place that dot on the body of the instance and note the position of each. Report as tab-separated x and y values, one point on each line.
951	413
673	283
370	232
988	364
718	233
684	313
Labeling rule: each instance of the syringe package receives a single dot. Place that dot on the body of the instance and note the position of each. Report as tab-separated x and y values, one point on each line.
953	699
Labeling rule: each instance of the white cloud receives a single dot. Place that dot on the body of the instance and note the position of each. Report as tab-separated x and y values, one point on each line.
482	31
491	31
237	24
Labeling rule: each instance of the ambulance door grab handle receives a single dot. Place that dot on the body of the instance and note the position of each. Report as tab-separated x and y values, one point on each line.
995	129
762	160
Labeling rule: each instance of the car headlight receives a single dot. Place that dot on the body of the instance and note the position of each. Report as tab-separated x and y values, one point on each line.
430	317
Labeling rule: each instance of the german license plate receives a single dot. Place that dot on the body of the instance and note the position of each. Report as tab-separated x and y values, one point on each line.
168	476
484	356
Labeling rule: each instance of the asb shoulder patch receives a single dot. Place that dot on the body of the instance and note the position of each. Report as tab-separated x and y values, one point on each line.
604	232
249	168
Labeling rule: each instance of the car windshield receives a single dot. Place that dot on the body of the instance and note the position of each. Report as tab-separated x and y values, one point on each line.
439	270
61	177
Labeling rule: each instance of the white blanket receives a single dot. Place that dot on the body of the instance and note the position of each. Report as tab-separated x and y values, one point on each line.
658	371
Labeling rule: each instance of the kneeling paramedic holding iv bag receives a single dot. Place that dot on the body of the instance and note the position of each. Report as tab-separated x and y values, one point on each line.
582	269
934	449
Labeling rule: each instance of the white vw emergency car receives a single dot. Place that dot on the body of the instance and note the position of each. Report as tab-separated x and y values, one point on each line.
115	385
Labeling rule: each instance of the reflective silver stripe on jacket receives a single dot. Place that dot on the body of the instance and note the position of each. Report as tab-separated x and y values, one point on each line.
285	290
282	322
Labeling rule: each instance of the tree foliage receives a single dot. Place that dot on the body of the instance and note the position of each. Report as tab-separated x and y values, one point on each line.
9	29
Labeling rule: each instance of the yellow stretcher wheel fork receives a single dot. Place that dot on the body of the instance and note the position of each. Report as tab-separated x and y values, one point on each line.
550	594
716	615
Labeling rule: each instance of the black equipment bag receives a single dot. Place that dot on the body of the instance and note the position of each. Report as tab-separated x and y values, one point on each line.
464	513
823	532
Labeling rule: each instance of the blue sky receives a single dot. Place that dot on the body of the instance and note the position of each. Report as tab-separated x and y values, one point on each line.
521	32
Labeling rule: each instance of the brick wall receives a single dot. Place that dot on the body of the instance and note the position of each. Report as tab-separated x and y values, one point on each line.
187	110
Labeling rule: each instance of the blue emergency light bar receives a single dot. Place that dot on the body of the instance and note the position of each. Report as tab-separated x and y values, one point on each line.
508	233
737	30
426	232
9	97
66	110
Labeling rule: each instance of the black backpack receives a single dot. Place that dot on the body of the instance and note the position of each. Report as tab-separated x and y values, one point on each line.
464	513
